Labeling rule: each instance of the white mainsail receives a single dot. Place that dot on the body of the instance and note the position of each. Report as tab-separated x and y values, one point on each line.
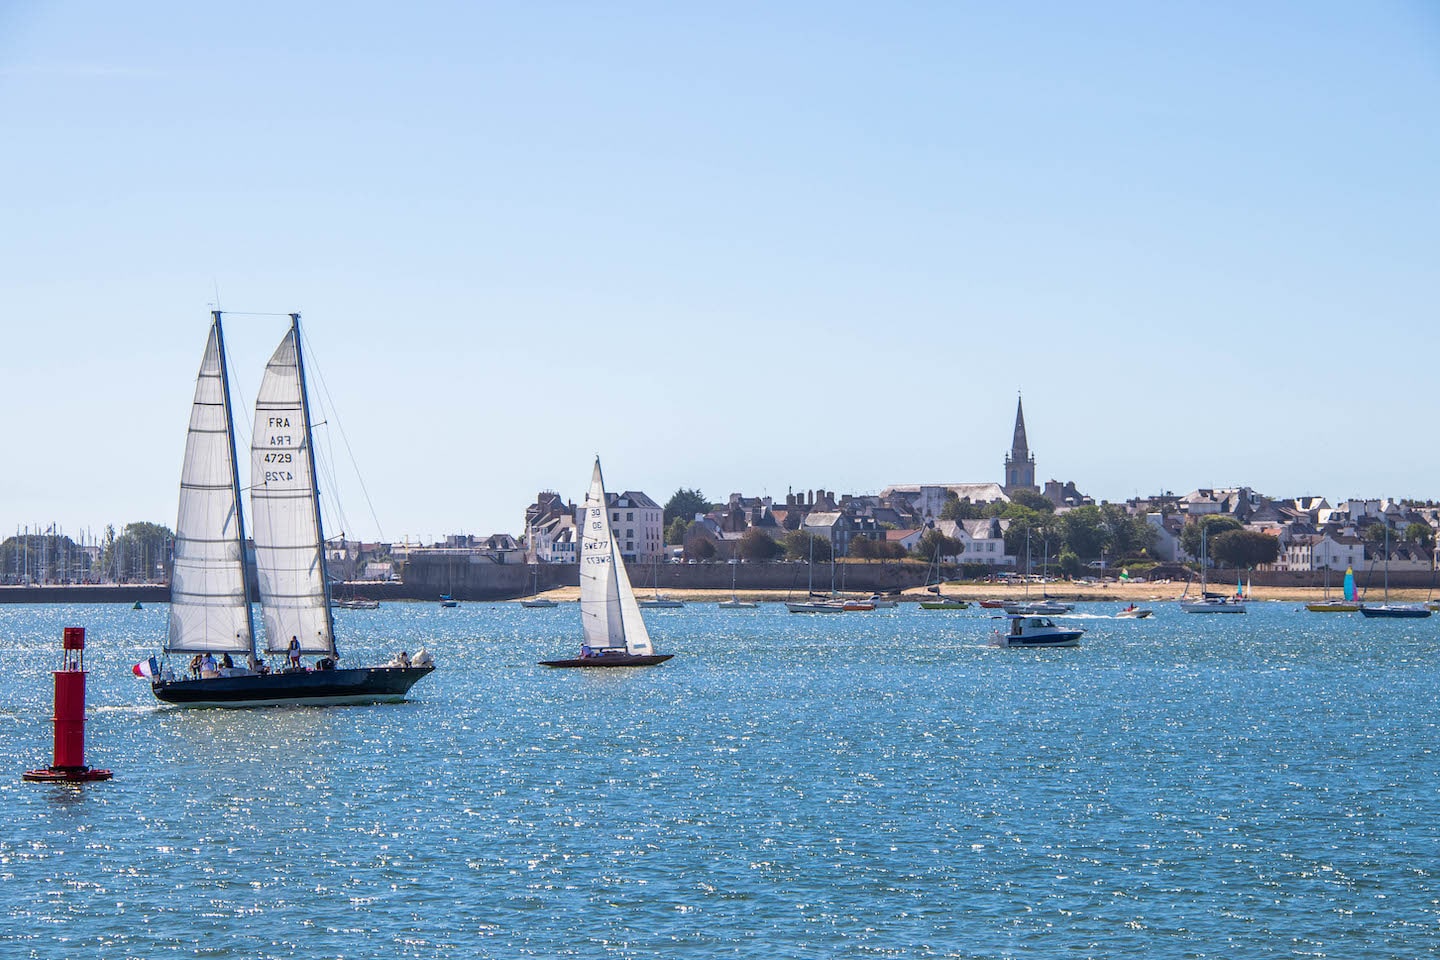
209	602
608	611
289	554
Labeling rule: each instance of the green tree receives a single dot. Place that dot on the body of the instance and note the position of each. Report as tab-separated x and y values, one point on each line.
1374	533
1244	548
1213	526
798	545
863	548
684	504
1023	520
1085	531
934	542
1070	564
957	509
1421	533
756	545
1033	499
675	533
1129	536
698	546
140	552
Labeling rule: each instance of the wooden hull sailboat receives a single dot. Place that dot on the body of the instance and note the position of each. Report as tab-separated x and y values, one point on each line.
615	633
210	610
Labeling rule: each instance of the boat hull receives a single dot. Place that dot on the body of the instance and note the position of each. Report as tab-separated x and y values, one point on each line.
538	604
661	604
944	605
814	608
1406	613
1225	607
1333	607
610	660
1067	638
301	688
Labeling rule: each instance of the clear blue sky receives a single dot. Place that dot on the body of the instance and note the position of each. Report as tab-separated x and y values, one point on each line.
740	247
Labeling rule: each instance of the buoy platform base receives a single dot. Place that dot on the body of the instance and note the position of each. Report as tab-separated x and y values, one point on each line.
66	775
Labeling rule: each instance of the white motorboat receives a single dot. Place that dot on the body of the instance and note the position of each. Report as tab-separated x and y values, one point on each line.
1032	631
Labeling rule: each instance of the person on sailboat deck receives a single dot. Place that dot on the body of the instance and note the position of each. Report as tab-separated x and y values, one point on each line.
294	651
585	651
208	666
226	662
195	662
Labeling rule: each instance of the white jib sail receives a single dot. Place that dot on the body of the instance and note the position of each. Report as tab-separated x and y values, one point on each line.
208	607
285	521
608	612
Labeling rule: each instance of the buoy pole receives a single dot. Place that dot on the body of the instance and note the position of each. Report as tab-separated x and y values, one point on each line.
68	764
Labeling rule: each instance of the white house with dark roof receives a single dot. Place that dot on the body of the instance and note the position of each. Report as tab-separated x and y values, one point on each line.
637	523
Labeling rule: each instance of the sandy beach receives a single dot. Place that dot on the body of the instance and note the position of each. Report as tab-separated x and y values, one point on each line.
1060	589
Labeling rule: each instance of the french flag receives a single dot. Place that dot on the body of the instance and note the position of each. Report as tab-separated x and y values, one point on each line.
147	668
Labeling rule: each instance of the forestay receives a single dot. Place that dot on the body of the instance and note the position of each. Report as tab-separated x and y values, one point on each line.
608	611
209	609
289	559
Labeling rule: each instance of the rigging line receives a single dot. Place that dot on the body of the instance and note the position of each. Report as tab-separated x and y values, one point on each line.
345	439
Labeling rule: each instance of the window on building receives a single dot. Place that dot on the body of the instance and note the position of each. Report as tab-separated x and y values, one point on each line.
630	515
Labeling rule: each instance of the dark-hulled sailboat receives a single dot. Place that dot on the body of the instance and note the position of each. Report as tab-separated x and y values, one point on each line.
210	612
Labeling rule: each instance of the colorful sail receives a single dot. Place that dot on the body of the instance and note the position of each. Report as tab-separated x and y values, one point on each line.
1350	584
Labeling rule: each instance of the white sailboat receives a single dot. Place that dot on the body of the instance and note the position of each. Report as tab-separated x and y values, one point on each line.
210	606
615	634
535	601
813	604
1208	602
735	603
659	601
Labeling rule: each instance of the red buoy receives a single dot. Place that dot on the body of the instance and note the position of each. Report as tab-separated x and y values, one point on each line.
69	761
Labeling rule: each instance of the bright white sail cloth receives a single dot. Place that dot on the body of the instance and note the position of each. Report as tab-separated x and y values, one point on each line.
289	559
209	611
608	611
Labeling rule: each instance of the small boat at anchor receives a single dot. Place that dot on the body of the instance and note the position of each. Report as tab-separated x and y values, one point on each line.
535	601
614	631
1386	609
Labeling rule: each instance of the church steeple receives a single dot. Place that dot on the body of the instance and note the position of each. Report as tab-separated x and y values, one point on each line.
1019	448
1020	462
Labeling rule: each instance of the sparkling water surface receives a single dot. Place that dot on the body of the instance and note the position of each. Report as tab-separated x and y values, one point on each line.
860	785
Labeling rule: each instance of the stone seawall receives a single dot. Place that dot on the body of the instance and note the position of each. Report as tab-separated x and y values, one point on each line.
465	580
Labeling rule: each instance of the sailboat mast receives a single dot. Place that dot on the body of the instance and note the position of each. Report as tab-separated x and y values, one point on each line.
314	477
235	481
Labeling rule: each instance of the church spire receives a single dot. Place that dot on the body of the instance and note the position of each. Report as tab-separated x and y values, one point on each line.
1019	448
1019	462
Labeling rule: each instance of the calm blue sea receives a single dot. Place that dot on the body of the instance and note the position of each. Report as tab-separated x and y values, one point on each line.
865	785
